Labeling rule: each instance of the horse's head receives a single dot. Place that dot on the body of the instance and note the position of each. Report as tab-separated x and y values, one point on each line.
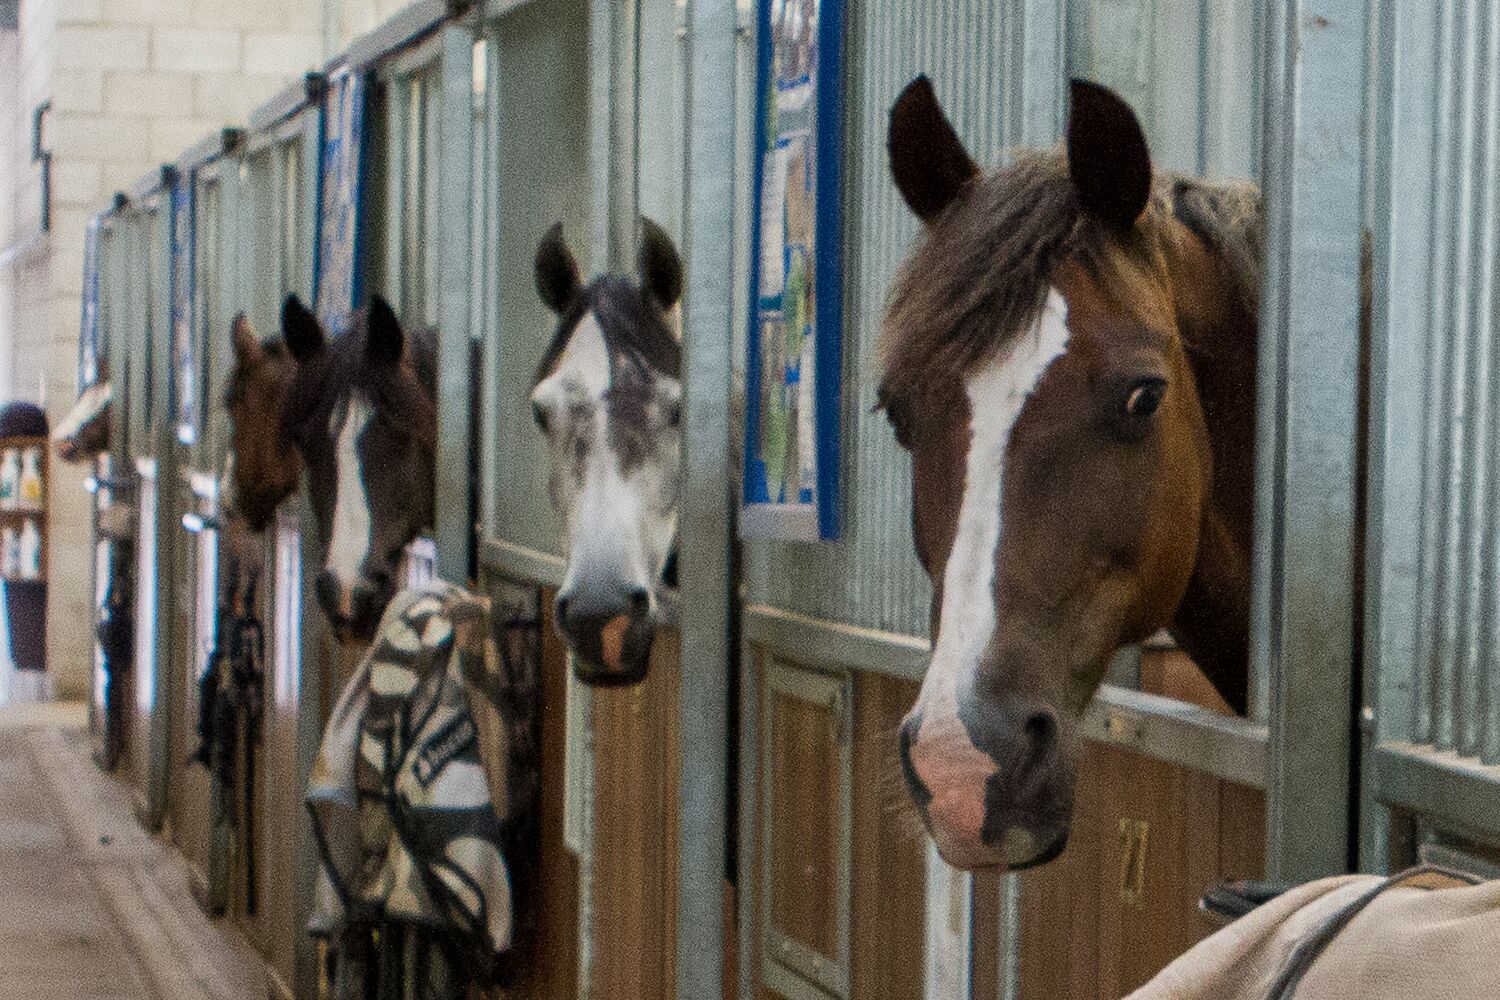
1035	365
83	433
607	396
266	467
361	411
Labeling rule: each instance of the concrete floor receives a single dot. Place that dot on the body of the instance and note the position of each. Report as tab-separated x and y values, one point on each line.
90	906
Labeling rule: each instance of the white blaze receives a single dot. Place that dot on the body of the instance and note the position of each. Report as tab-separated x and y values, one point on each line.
350	541
997	391
608	524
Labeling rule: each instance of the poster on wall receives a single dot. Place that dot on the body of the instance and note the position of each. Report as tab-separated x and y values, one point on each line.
340	202
89	348
793	372
184	374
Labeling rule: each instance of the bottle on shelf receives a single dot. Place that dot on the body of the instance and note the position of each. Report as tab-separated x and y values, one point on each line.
29	551
10	479
10	554
30	491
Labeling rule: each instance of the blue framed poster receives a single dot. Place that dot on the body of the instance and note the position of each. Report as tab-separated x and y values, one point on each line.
341	185
184	371
793	374
90	351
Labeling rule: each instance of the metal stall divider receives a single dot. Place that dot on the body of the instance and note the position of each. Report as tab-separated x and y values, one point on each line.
275	233
110	687
151	458
198	792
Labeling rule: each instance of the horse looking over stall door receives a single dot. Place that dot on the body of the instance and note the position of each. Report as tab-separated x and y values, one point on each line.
1069	356
266	466
607	395
82	435
361	410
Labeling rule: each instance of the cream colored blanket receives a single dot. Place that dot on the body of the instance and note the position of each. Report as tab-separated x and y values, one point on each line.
1422	936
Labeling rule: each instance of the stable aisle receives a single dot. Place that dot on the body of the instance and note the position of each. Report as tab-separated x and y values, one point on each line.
90	906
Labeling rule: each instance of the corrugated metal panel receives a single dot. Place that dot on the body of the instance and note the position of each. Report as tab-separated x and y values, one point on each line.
1457	595
871	577
542	176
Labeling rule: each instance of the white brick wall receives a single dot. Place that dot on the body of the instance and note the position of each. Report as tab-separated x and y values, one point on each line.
132	84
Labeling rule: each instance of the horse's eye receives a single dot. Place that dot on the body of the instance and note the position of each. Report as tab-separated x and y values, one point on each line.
1143	398
539	414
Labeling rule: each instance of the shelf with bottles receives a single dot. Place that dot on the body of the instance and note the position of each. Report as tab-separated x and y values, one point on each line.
23	475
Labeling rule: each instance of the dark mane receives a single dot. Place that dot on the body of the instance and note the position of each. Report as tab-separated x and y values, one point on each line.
405	396
634	331
980	272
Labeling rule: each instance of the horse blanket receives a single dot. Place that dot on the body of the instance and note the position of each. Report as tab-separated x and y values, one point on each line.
415	884
1426	934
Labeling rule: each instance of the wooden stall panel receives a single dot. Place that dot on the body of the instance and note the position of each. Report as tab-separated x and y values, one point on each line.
634	923
805	831
1149	838
546	949
889	866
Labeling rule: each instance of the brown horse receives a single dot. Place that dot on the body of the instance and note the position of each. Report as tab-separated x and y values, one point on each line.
1069	356
362	411
266	467
607	395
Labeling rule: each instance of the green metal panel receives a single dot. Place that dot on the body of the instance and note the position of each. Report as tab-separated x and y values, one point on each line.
1433	580
539	175
449	278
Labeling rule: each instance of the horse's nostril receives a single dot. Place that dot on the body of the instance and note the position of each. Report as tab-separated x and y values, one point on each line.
328	590
640	600
1041	730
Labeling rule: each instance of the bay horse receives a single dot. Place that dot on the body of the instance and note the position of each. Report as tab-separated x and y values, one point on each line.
266	468
83	433
1069	356
361	411
607	396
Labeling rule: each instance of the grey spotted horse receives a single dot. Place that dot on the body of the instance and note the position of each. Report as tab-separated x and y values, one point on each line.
422	801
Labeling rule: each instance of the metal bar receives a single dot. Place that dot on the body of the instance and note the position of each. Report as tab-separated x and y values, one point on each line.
1173	731
1304	606
517	562
288	101
705	530
407	26
210	148
1437	784
454	528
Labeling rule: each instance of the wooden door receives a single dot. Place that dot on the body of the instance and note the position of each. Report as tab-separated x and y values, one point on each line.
1122	901
805	821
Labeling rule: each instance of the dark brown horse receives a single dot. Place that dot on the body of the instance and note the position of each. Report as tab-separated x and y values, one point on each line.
266	467
607	396
1069	356
361	410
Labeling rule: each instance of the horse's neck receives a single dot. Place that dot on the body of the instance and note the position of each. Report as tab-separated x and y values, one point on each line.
1212	622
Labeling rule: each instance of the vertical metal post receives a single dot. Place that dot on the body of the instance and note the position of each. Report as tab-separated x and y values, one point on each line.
1304	632
454	528
705	531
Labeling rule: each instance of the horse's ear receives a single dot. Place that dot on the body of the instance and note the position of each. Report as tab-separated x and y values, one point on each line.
385	341
247	349
303	333
1108	158
557	280
928	160
659	266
